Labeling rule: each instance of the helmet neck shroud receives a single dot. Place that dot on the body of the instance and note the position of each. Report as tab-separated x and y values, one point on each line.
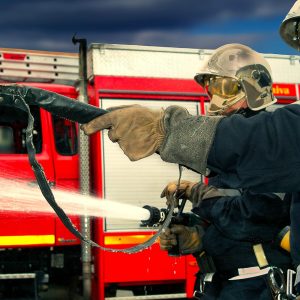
256	82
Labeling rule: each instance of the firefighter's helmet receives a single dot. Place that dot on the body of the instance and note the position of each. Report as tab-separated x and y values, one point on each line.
290	27
234	73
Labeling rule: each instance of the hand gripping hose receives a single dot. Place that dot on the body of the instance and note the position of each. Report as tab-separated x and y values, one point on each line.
21	97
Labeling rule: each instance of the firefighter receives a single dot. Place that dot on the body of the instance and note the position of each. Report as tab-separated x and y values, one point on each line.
235	250
260	153
242	220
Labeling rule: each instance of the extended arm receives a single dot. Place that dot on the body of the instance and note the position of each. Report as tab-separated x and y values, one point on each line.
261	153
242	217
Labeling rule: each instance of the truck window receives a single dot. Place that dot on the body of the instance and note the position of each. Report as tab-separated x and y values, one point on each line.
65	135
13	123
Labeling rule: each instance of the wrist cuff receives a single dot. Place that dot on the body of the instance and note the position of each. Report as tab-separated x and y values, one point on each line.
188	138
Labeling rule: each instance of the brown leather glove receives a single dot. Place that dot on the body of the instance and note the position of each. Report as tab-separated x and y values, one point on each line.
201	192
167	240
138	130
189	239
176	135
184	190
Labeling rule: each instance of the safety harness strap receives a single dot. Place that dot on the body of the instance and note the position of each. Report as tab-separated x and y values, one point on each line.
260	255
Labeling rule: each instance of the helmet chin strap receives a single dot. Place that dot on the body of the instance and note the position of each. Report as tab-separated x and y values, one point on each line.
238	107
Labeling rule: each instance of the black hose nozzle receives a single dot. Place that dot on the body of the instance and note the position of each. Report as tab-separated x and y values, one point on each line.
157	216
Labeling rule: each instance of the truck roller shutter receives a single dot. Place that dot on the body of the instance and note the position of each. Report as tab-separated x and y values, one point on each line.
138	183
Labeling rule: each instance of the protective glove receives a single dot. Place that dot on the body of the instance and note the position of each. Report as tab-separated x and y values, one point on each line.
189	239
177	136
184	190
195	192
138	130
203	192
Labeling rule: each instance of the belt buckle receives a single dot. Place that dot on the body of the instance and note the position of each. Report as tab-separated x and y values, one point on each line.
277	283
290	284
208	277
198	295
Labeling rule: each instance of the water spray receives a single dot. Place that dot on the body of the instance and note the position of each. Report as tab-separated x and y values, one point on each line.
21	97
25	197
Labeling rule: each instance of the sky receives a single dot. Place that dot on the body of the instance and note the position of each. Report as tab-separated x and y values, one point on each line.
50	24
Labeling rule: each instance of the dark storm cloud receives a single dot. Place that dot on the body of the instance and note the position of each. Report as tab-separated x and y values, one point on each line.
114	15
49	24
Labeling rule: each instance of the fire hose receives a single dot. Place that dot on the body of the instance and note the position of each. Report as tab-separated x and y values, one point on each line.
21	97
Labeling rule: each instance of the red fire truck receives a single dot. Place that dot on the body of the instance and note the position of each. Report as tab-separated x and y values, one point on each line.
37	248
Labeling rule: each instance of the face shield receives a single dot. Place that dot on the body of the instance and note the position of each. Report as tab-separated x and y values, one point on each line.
224	92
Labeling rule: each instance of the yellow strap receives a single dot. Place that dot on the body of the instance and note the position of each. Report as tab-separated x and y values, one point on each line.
260	255
285	242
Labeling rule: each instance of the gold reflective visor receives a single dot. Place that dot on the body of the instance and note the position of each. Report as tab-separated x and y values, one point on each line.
224	87
224	92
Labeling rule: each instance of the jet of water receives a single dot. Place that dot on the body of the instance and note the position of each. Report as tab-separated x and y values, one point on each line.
25	197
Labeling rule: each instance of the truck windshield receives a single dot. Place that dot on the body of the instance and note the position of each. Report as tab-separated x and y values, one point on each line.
13	123
65	135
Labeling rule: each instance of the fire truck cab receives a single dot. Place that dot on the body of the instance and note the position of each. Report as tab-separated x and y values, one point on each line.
37	247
